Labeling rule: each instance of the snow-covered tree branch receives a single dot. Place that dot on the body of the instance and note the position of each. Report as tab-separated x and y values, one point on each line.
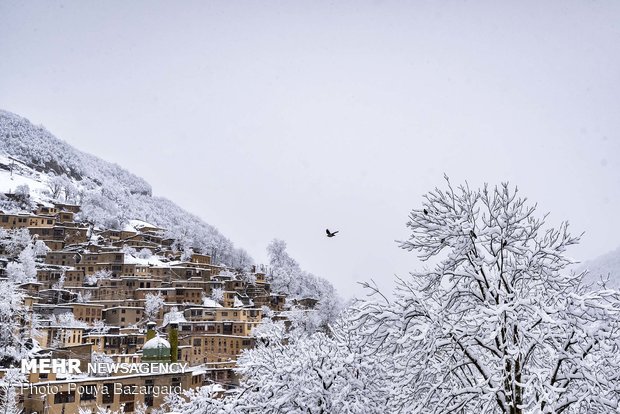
499	324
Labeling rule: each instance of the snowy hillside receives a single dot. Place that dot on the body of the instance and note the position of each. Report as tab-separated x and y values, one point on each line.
38	148
14	174
605	266
33	160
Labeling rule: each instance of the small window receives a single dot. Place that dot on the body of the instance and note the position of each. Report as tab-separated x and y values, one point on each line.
108	393
88	392
64	397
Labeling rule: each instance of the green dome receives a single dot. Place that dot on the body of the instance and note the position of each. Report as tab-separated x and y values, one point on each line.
156	350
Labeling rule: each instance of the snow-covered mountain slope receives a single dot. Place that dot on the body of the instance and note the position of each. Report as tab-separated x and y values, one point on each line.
603	267
14	174
38	148
110	196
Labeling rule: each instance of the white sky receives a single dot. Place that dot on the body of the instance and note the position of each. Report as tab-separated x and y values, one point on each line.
278	119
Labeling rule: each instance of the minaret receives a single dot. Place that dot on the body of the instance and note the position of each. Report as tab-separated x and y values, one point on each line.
150	330
173	338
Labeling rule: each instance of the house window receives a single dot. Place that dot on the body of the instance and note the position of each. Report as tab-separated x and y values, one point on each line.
108	393
148	396
64	397
88	392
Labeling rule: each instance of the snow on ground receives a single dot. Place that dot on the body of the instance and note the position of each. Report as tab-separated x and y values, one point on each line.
36	182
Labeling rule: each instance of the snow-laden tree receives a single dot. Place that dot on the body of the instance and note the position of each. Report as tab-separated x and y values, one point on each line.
40	248
302	322
84	297
186	256
145	253
217	295
249	277
153	305
54	185
14	241
287	277
9	403
67	320
269	331
92	280
14	324
22	197
99	327
317	374
61	281
103	362
241	260
127	249
100	210
141	408
498	325
24	270
283	268
202	400
100	410
61	185
174	315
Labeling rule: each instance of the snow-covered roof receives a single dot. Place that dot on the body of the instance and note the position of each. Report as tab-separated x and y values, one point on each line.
156	343
137	225
238	303
151	261
173	317
210	303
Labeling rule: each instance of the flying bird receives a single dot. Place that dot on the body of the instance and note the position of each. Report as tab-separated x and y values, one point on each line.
330	234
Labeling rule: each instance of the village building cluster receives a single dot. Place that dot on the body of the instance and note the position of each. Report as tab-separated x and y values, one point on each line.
99	296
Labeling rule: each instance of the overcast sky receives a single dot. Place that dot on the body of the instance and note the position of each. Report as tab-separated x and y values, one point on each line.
279	119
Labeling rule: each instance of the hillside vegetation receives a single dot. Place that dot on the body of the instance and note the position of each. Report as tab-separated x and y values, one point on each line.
110	195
